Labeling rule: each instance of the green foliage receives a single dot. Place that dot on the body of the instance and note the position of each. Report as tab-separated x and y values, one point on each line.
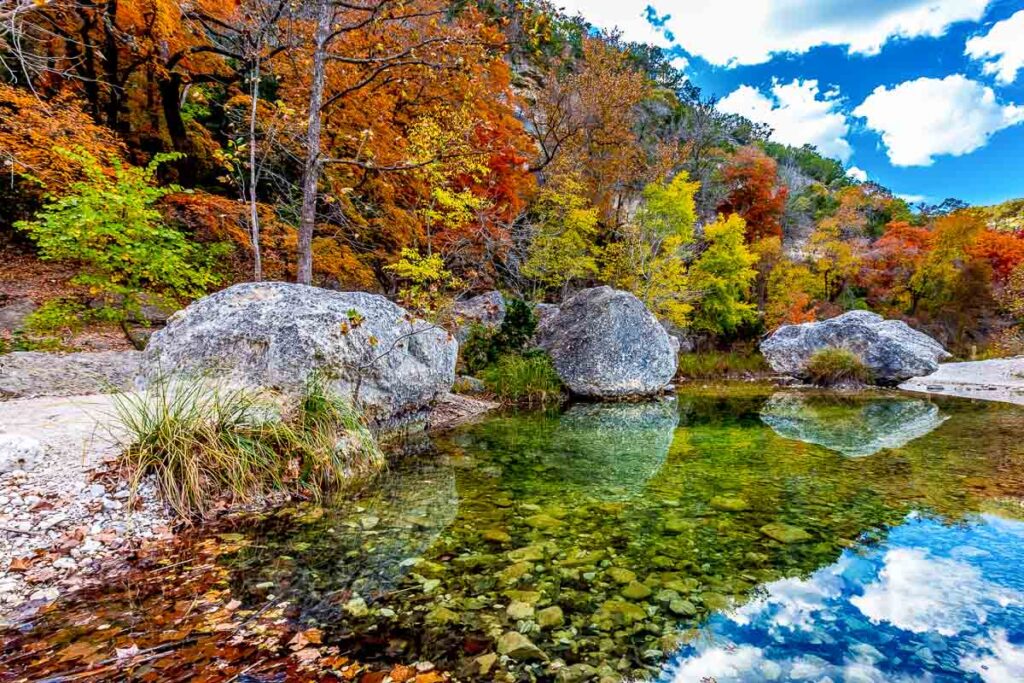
528	379
718	365
723	275
109	223
429	286
56	316
831	366
203	442
564	247
484	346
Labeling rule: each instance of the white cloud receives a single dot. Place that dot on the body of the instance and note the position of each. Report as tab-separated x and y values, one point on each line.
734	32
923	118
999	660
919	593
798	112
1001	49
913	198
858	174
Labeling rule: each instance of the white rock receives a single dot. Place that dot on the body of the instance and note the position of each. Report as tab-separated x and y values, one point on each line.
19	453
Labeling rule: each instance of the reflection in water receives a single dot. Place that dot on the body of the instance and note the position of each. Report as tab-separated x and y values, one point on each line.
853	428
933	603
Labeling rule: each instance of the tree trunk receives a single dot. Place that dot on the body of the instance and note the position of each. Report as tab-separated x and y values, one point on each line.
254	214
313	166
170	100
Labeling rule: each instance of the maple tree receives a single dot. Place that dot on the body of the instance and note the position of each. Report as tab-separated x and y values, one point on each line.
751	178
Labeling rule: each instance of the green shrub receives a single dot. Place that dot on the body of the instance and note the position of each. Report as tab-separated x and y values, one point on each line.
718	365
483	347
835	365
528	379
110	225
203	442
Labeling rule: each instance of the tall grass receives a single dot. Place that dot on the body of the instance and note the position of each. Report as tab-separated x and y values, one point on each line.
721	365
830	366
203	442
528	379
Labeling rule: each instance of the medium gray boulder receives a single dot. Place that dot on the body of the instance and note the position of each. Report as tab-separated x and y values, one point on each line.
276	336
30	374
891	349
604	343
486	309
853	428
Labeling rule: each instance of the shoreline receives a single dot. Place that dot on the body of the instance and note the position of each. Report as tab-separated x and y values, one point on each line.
1000	380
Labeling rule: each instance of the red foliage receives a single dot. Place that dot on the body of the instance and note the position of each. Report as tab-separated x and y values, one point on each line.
754	193
1003	251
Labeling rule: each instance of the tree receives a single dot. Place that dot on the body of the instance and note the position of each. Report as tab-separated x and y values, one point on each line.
751	177
722	276
109	223
563	247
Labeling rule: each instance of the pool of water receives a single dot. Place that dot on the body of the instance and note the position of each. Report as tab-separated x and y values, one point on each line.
727	534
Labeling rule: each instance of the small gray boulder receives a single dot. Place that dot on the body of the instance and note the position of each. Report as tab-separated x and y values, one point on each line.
891	349
18	452
604	343
276	336
486	309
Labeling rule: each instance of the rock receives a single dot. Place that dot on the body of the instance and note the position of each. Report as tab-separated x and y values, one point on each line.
14	311
620	575
636	591
277	336
517	646
519	610
442	616
486	309
30	374
542	522
891	349
604	343
729	504
683	608
544	312
19	452
785	533
356	607
485	663
577	673
496	536
550	617
613	613
854	428
464	384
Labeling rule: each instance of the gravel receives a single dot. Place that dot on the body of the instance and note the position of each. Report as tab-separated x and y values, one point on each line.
65	512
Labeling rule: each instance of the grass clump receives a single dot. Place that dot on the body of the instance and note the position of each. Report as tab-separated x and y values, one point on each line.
204	442
528	379
719	365
832	366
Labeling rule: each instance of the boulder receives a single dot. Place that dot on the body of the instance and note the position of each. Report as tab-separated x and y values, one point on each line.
486	309
891	349
604	343
14	311
544	311
277	336
30	374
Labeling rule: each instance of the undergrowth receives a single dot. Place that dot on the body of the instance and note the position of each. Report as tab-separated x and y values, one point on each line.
528	379
204	442
718	365
831	366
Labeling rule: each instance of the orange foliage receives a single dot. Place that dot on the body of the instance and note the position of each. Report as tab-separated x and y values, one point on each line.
755	193
211	218
1003	251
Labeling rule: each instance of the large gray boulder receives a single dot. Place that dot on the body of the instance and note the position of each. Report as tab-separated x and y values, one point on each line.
486	309
891	349
275	336
604	343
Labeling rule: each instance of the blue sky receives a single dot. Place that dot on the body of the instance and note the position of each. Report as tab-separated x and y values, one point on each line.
925	97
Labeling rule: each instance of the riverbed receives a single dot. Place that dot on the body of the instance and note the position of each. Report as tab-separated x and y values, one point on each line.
737	533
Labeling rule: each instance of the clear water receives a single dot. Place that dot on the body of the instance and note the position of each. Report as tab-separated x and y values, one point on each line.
729	535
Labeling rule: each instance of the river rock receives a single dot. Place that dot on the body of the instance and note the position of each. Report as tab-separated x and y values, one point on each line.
891	349
31	374
855	428
19	452
277	336
517	646
604	343
486	309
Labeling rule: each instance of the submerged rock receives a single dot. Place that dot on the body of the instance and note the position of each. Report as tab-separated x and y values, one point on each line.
855	428
517	646
604	343
276	336
891	349
784	533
